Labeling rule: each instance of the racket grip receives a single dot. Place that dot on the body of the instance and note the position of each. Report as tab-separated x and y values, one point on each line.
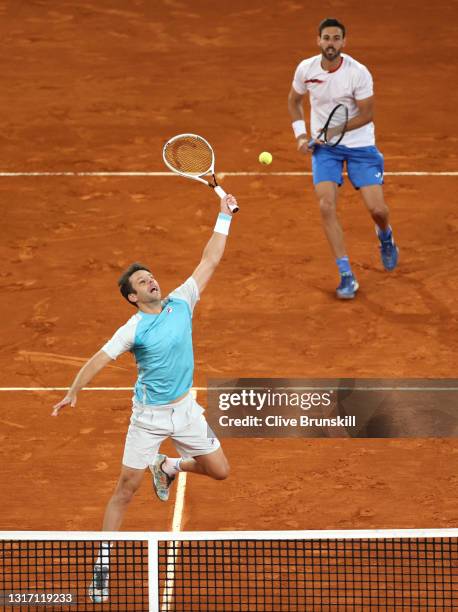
221	193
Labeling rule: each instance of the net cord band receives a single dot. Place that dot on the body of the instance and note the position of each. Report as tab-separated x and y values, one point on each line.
236	535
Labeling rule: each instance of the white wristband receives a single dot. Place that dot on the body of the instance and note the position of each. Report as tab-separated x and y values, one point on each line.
223	223
299	128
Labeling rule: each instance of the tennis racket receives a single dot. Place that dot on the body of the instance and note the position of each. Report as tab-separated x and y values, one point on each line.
191	156
334	129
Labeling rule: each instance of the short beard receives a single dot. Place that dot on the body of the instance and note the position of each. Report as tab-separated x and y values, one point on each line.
335	54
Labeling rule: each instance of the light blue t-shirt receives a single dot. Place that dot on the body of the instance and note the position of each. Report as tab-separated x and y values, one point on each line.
162	346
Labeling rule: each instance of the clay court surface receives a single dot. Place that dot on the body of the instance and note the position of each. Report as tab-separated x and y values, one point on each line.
99	87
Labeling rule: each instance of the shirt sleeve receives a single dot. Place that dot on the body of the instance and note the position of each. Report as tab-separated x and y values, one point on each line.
364	85
122	340
299	79
188	291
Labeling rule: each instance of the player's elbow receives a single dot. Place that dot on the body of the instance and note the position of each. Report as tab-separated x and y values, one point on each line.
211	260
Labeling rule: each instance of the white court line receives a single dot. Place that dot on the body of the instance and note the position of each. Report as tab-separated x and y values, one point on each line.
169	586
195	389
173	545
219	174
400	173
83	389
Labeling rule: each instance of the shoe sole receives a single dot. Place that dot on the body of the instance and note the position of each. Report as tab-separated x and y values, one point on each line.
159	460
97	598
349	297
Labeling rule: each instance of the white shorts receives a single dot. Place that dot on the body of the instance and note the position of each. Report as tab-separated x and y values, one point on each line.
183	422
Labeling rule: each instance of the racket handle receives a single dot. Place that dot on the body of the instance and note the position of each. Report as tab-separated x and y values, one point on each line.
221	193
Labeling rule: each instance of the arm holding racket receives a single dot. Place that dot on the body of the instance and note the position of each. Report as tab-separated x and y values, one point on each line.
214	249
338	123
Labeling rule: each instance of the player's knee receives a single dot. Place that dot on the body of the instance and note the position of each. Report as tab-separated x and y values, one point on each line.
327	206
125	492
221	475
123	496
221	472
379	210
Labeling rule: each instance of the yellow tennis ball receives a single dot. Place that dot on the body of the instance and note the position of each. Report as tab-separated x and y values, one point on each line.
265	158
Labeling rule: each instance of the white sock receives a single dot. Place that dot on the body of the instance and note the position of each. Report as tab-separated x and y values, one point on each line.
172	466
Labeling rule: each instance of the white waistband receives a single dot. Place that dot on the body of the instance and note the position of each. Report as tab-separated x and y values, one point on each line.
178	404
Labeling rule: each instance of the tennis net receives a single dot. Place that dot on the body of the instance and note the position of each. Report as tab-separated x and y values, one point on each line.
292	571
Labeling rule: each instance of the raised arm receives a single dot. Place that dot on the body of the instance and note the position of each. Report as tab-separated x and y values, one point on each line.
296	111
84	376
214	249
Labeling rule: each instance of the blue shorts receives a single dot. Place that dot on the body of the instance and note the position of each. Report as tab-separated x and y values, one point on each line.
364	165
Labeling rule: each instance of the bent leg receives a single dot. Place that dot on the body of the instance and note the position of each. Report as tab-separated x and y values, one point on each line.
215	465
376	205
375	202
128	483
326	193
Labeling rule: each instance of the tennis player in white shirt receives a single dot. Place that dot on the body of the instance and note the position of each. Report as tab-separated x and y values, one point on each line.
333	78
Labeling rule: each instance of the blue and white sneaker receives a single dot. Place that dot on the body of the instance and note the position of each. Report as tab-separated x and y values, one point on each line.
98	589
348	287
389	252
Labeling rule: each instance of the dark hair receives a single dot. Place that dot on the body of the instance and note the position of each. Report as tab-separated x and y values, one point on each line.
329	22
124	284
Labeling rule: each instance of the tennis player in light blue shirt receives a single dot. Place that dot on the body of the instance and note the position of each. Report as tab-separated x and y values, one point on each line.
159	335
161	343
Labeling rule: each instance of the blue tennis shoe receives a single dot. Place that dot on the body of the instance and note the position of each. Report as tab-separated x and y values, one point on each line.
348	287
389	252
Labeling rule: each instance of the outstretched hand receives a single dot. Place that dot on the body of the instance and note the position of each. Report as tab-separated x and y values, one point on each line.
70	398
226	201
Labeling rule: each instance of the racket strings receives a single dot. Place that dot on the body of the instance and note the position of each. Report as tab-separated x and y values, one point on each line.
189	155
